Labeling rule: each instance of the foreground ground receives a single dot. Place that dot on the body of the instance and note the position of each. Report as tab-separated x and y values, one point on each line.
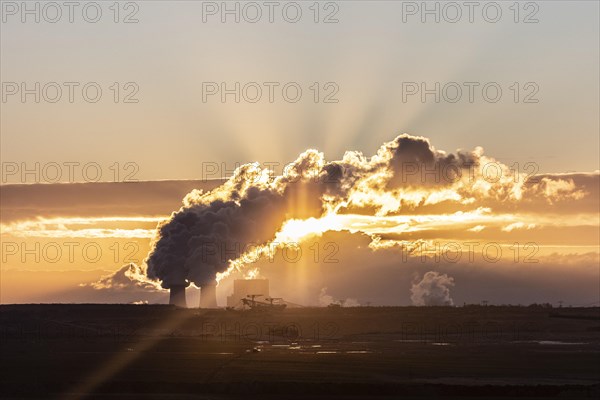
128	351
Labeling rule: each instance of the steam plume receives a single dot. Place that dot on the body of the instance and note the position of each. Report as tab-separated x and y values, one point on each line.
207	236
326	299
432	290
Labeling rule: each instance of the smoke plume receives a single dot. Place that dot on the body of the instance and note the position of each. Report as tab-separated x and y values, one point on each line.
432	290
212	228
326	300
207	237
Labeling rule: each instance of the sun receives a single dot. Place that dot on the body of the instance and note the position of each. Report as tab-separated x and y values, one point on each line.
294	230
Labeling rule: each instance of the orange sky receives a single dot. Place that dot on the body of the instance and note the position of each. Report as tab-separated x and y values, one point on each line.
57	238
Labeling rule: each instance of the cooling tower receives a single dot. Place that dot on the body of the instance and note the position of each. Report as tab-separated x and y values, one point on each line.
177	296
208	295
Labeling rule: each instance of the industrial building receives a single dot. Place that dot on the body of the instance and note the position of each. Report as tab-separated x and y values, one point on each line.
242	289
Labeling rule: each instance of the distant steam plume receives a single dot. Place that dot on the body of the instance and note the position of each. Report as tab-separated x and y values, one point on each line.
326	300
432	290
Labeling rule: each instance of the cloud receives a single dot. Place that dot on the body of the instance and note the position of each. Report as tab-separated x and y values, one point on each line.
129	277
349	268
518	225
406	194
22	202
477	228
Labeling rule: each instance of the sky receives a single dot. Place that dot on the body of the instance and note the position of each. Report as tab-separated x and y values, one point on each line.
368	54
69	168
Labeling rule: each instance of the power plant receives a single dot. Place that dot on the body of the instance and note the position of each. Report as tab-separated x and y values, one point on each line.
208	295
252	293
177	296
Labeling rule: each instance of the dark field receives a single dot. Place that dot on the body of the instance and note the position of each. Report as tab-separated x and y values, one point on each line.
152	351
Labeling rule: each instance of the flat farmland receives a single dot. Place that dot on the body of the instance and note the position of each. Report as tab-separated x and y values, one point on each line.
155	351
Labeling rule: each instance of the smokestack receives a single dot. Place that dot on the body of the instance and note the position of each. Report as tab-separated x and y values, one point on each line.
177	296
208	295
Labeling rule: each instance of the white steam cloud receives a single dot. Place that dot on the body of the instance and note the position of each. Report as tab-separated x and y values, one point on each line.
208	237
326	300
432	290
